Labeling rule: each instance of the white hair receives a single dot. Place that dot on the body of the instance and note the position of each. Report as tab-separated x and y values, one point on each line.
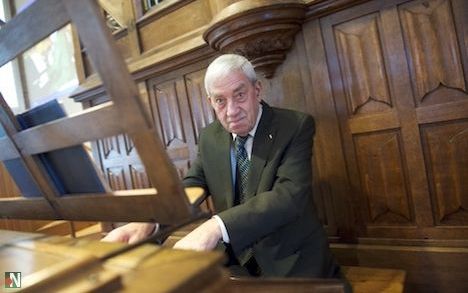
226	64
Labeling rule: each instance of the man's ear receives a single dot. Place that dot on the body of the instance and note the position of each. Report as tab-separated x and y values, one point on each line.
258	90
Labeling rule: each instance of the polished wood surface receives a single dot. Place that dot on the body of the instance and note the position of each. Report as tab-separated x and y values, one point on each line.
430	267
67	264
366	279
285	285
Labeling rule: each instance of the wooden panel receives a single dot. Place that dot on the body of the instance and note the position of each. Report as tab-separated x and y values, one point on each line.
433	51
428	269
292	88
383	178
436	113
110	147
195	14
330	169
116	177
167	109
366	106
123	44
372	93
322	196
202	113
370	123
182	167
446	154
138	176
173	121
168	102
118	153
362	64
129	145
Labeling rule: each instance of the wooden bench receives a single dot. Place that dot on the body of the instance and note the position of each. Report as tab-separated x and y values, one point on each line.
366	279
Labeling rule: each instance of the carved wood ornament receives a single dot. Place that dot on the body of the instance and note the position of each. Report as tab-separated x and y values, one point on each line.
262	31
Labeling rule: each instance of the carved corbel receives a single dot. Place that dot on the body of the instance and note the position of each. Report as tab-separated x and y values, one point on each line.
261	30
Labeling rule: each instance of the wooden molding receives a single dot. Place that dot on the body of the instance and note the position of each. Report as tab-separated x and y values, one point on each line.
263	31
319	8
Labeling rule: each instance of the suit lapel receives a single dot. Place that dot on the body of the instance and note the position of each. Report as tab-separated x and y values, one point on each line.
262	144
223	160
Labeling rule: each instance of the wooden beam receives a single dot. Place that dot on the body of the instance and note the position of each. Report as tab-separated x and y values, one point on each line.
70	131
124	93
27	208
93	207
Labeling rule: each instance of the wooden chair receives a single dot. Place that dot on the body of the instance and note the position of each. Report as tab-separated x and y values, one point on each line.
166	204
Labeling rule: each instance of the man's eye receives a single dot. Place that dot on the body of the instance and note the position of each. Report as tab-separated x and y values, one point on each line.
219	101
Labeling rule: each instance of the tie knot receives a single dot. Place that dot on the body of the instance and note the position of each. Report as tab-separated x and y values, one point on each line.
241	140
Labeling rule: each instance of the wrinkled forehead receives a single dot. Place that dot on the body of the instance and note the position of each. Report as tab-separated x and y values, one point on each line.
228	82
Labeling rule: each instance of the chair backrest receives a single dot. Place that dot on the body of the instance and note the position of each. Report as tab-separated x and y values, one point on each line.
125	113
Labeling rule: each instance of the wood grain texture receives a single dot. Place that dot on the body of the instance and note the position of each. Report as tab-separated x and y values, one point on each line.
383	178
70	131
445	149
76	265
433	47
362	64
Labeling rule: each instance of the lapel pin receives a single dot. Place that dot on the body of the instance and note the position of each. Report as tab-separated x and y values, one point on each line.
270	136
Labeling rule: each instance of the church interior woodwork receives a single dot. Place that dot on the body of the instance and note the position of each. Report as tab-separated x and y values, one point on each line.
387	84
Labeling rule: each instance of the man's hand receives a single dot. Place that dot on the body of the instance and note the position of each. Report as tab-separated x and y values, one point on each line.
130	233
205	237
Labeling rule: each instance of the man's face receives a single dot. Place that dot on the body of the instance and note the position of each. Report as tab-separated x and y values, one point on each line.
236	101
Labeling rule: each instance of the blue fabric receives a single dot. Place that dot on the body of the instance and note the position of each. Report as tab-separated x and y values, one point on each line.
70	169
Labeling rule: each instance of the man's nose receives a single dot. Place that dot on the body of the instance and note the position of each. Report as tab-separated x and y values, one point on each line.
231	108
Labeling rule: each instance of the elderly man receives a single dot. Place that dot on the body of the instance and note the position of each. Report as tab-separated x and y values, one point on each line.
255	162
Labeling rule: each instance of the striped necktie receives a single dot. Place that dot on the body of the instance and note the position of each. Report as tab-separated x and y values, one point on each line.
243	166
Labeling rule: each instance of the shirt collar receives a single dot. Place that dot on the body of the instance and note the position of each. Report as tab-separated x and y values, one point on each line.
254	129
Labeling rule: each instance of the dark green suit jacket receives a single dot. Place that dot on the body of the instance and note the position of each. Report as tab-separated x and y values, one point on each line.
278	220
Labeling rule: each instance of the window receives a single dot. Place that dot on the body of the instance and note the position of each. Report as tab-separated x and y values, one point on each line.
47	69
10	85
147	4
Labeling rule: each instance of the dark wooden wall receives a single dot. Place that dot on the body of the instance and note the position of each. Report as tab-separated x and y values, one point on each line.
387	84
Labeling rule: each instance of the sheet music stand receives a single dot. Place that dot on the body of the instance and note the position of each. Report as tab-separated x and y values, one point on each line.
167	204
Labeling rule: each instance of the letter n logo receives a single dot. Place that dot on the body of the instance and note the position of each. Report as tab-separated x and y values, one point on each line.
12	279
